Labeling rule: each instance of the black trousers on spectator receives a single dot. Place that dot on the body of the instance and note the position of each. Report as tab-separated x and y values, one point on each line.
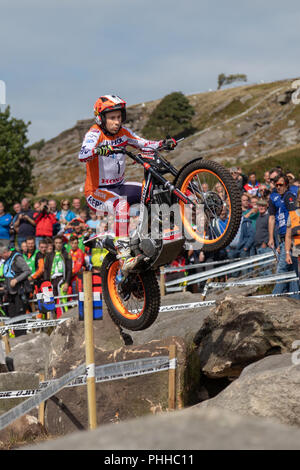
15	308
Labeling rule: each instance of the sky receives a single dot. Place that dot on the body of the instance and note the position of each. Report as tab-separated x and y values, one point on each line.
58	57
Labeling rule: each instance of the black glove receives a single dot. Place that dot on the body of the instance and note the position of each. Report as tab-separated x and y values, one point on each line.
169	143
104	150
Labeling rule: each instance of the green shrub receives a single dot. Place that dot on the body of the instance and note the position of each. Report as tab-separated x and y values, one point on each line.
172	116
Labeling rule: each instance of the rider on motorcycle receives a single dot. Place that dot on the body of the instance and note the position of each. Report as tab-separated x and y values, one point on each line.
105	186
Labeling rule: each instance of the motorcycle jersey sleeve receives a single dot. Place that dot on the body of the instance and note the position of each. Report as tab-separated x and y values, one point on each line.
108	170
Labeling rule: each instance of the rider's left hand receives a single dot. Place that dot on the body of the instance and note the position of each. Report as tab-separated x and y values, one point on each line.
169	143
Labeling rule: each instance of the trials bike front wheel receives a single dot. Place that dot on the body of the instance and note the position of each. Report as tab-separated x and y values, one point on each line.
211	187
133	303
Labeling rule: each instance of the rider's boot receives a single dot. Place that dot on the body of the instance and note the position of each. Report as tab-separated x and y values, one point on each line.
127	261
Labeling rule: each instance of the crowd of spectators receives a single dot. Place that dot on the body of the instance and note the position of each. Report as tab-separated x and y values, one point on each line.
265	219
53	237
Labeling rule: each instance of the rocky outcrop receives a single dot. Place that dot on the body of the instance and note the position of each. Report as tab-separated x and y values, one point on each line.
268	388
193	428
22	430
241	331
223	120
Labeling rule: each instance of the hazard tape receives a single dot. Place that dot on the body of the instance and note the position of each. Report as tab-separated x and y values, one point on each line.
278	279
31	325
103	373
41	395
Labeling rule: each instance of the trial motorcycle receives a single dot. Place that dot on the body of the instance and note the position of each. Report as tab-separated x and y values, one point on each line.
199	192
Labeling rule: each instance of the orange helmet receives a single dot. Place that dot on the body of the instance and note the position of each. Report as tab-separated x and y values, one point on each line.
108	103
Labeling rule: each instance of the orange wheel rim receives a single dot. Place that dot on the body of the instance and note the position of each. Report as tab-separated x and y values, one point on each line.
185	221
115	296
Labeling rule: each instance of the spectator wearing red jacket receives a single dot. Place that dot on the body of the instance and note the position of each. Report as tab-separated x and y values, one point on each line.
78	262
252	186
45	220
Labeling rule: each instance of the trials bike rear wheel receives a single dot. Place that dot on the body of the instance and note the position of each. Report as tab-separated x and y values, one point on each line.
211	186
134	303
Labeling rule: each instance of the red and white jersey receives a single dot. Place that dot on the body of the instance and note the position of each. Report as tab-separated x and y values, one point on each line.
104	171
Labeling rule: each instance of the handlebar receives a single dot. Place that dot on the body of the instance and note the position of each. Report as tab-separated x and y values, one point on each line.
130	154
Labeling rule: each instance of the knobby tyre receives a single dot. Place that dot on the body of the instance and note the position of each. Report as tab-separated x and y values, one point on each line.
137	306
210	175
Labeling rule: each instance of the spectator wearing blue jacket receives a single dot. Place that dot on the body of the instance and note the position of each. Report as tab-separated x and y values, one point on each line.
65	215
278	216
5	220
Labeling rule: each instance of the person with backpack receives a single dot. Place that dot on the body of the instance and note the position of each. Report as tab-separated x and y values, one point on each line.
16	273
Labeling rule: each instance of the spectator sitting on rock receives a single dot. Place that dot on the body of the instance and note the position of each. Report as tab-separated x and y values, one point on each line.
252	186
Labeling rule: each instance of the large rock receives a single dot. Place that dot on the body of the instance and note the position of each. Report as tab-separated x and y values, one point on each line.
117	399
193	428
29	352
243	330
23	430
268	388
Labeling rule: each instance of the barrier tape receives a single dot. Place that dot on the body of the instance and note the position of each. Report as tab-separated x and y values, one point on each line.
103	373
31	325
278	279
41	395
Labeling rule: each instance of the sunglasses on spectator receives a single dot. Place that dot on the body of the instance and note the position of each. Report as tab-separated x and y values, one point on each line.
65	204
279	184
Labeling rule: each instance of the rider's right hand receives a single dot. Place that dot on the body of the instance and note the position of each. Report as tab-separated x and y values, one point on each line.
104	150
